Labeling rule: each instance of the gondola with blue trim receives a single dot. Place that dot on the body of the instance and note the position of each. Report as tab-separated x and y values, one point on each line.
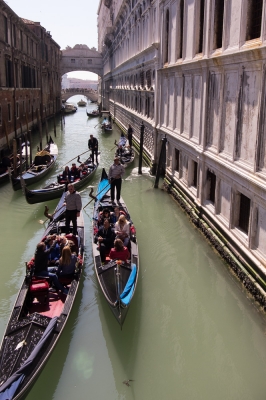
117	279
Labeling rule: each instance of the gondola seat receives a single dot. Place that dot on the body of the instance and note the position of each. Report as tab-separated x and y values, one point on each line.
39	289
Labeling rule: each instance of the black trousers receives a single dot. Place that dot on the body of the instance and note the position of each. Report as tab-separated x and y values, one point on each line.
71	215
94	151
116	183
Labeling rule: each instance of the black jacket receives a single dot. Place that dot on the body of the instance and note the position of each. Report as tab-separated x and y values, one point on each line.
107	235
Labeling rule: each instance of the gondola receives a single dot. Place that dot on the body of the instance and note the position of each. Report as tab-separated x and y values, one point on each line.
43	162
93	114
117	280
108	129
55	189
124	152
8	162
38	318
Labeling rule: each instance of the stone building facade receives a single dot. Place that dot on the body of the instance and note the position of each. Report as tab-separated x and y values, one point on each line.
195	72
30	80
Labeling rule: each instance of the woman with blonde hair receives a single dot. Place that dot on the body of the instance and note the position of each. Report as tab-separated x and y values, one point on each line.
67	262
122	229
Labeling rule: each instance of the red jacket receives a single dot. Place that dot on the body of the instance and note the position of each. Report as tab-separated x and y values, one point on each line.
120	255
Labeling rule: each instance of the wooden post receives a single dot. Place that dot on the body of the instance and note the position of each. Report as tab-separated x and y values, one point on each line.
46	130
40	128
15	164
6	132
141	147
27	122
20	156
30	147
54	126
21	131
26	150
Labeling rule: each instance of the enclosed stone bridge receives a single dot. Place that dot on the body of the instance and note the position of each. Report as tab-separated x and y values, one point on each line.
81	58
89	93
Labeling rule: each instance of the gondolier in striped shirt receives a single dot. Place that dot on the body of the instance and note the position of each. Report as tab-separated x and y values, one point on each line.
73	206
116	172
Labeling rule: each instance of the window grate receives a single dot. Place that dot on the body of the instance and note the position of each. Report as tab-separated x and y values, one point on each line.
244	213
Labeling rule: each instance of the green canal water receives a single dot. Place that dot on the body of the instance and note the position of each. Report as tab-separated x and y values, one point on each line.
191	333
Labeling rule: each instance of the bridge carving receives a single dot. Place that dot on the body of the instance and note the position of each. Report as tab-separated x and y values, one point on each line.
89	93
81	58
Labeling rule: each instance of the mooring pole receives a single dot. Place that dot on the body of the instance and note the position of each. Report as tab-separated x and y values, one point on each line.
141	146
164	141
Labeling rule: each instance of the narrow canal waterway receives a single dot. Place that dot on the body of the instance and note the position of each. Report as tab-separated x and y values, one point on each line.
191	332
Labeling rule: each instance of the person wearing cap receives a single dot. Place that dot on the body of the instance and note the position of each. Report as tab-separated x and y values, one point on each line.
115	174
93	146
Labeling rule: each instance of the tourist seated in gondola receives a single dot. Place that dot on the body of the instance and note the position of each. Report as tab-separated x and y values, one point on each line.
122	229
120	151
41	268
104	214
83	169
74	172
66	175
54	255
105	238
119	251
67	262
114	216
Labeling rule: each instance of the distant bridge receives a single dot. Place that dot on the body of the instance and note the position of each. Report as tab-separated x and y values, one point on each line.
81	58
89	93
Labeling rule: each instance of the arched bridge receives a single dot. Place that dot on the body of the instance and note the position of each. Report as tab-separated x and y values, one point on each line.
89	93
81	58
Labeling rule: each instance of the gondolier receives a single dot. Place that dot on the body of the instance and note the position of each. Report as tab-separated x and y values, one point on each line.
93	146
73	207
116	172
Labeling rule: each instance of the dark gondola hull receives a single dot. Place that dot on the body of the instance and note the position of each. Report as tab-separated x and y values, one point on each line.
23	350
93	115
113	277
54	190
35	173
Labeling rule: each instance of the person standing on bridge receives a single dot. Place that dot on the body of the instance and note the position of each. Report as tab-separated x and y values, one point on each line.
93	146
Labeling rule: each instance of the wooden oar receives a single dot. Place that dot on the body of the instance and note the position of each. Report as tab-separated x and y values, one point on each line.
94	197
62	166
114	146
97	124
49	216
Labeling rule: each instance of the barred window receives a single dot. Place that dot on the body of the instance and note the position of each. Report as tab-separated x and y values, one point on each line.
177	160
148	78
254	14
195	174
218	24
73	60
142	79
244	213
211	177
89	61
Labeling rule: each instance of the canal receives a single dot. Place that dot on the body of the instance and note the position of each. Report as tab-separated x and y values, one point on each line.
191	332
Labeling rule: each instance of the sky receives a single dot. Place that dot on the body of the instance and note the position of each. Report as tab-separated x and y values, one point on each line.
69	22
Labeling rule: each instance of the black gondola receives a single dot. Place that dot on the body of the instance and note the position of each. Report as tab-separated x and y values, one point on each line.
55	189
117	280
44	161
37	319
93	114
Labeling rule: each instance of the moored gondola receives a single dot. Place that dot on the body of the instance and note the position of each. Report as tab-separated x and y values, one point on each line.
117	280
38	317
55	189
44	161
